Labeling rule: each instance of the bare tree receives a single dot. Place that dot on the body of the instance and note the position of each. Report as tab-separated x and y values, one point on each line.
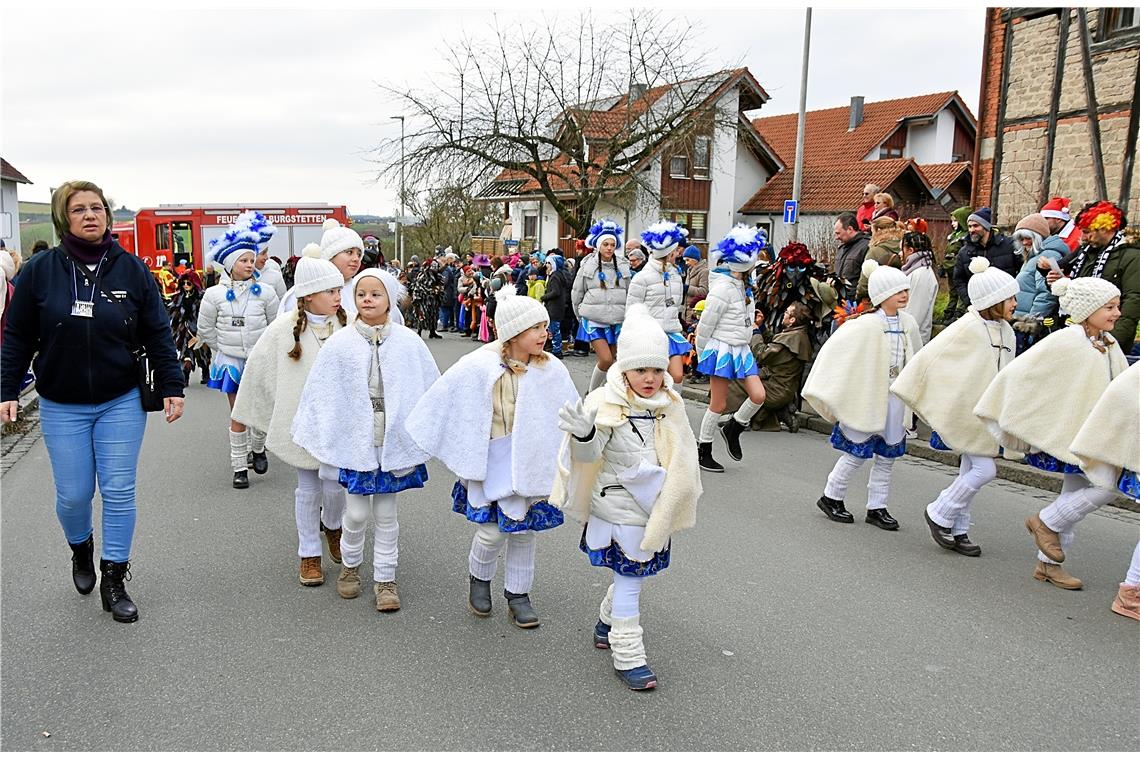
531	102
449	216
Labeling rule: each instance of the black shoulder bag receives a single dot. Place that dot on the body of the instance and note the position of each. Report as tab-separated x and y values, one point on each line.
149	395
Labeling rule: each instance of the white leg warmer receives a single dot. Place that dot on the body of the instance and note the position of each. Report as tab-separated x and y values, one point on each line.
356	512
518	578
879	484
308	513
708	427
606	610
1133	577
746	412
841	475
597	378
332	513
1074	504
483	560
627	647
385	537
627	596
952	507
239	450
257	440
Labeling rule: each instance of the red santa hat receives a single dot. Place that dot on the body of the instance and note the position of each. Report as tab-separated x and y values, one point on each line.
1056	208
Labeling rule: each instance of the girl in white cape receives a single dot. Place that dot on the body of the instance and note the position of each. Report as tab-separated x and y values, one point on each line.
1039	402
943	383
849	385
270	392
659	287
1108	447
629	472
351	418
490	420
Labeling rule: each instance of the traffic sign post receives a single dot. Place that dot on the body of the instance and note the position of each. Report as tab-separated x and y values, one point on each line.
791	212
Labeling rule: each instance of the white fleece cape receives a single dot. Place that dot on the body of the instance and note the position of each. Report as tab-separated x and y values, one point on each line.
945	379
334	418
1044	396
452	421
849	382
1110	438
676	505
271	386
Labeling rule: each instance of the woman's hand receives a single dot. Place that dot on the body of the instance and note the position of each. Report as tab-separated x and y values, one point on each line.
172	406
9	410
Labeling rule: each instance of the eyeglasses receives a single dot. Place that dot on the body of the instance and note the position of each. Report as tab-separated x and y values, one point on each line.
97	210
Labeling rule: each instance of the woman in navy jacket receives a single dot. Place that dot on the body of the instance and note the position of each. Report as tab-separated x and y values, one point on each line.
90	412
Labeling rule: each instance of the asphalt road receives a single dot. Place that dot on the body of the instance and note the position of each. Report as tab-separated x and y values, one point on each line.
773	630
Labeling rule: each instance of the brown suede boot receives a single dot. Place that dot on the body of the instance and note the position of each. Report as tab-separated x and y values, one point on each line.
1056	575
1047	541
332	537
311	573
387	599
348	584
1127	601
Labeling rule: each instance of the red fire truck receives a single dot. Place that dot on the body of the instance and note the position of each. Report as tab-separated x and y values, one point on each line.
182	233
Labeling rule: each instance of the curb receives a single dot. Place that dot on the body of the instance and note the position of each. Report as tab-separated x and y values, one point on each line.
1014	472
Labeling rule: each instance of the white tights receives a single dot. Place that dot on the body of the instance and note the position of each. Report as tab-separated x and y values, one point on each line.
1133	577
952	507
1078	498
311	489
878	486
483	561
385	534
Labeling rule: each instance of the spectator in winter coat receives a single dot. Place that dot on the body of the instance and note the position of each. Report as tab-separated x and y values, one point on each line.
637	258
696	281
983	240
918	261
1034	297
884	206
853	245
867	208
954	242
886	249
450	305
556	298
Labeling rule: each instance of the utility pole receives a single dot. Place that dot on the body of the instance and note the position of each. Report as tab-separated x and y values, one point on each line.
797	177
400	221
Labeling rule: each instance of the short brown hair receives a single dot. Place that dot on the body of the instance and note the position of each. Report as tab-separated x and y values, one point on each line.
63	195
995	313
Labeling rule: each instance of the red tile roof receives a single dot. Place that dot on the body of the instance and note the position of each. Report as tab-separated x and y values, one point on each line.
7	171
943	175
833	188
826	138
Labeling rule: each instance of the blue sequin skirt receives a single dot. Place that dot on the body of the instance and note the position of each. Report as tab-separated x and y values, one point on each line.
591	331
225	373
678	346
360	483
542	515
1050	463
614	558
868	448
730	362
937	443
1129	484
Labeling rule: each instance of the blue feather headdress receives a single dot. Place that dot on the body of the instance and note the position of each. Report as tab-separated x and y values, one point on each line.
740	249
664	237
256	221
605	227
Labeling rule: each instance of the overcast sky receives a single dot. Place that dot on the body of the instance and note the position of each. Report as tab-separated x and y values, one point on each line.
214	105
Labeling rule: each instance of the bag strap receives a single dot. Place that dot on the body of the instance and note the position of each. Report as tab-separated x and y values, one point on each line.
132	335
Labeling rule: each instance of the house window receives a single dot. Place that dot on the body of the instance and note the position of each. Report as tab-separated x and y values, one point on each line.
702	153
1115	22
894	146
679	167
530	226
696	222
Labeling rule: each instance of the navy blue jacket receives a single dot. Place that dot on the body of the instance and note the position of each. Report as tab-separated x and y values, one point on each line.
1000	252
80	360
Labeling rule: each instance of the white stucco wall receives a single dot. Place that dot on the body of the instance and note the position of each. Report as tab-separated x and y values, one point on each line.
750	177
932	143
10	215
722	194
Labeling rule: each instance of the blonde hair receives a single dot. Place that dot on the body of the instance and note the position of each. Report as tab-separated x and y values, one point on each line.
885	199
505	353
62	197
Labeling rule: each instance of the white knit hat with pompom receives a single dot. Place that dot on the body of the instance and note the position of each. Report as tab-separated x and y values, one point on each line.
642	342
988	285
338	239
314	273
883	282
1081	297
515	314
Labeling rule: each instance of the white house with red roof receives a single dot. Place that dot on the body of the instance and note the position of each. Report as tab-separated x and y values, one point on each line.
10	180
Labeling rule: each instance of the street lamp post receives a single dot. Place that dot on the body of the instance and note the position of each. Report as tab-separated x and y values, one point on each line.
797	175
400	221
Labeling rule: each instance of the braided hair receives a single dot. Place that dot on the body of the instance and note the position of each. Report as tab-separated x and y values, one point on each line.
298	328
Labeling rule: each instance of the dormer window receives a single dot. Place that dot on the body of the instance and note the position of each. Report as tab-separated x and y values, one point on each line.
894	146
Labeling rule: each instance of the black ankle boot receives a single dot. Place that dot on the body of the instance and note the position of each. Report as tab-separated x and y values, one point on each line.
260	462
83	565
114	593
881	518
241	479
835	510
521	611
731	431
479	597
705	458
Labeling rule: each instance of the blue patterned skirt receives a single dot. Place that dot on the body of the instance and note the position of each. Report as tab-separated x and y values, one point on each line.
1050	463
868	448
614	558
225	373
591	331
542	515
937	443
678	346
360	483
730	362
1129	484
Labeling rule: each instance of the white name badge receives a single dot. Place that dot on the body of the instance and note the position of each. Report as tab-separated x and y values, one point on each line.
85	309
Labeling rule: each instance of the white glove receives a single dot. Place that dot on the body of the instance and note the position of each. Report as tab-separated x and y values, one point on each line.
575	420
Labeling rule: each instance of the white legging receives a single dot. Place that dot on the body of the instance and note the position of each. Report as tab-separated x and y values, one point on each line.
952	507
878	486
483	561
311	490
385	534
1133	577
1078	498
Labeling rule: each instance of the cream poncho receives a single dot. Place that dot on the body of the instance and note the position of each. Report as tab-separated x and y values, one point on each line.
1044	396
1110	438
944	381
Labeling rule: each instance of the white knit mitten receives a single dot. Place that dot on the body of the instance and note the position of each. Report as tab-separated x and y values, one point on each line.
627	646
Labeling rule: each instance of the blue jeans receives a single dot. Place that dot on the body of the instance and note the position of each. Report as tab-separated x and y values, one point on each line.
447	314
86	442
555	331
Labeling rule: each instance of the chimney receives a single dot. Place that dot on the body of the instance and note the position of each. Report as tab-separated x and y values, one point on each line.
856	113
636	90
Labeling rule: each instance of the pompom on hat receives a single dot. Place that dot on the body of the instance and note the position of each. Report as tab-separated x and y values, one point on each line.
257	222
338	239
1057	208
663	238
1103	215
315	273
883	282
1084	295
515	314
604	228
641	342
988	286
740	249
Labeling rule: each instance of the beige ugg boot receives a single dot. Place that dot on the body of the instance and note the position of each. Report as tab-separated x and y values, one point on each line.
1056	575
1127	601
1048	542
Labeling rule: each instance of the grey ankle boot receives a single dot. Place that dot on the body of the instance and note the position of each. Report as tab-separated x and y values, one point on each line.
520	609
479	597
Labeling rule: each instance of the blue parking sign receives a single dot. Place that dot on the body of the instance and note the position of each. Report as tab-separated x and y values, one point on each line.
791	212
